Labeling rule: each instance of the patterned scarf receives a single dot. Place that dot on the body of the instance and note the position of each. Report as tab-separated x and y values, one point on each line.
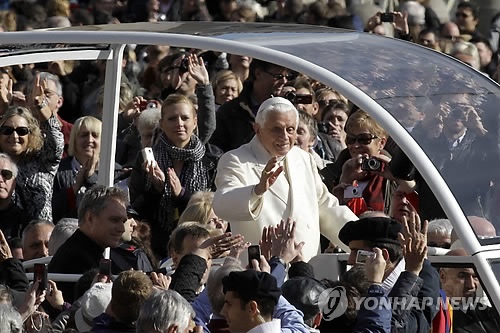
193	176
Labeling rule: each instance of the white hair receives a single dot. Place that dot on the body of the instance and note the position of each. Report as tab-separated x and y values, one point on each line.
440	226
274	104
162	310
13	165
61	232
148	118
10	319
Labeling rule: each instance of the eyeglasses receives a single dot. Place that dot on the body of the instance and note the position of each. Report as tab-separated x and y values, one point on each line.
21	131
6	174
362	139
278	77
326	102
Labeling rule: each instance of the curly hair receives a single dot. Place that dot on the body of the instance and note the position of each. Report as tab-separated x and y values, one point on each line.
35	136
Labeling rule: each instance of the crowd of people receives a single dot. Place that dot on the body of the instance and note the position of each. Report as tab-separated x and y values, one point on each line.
230	174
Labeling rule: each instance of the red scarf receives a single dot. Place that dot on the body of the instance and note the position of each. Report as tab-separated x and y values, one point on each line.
373	197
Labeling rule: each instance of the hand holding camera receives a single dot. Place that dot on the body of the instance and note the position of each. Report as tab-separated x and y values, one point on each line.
374	265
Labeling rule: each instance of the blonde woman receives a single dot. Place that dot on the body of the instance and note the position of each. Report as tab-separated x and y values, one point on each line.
36	146
79	170
199	209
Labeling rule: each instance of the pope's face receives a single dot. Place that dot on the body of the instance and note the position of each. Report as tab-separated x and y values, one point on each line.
279	132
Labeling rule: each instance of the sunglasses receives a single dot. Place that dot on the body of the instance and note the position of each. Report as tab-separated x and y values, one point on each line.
21	131
278	77
6	174
326	102
362	139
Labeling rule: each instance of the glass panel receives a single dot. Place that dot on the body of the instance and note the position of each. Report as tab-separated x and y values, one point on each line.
451	110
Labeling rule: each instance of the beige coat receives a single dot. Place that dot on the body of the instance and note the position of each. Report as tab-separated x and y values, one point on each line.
307	201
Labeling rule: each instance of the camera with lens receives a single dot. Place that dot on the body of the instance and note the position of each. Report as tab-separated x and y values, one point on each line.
298	99
372	164
184	66
324	127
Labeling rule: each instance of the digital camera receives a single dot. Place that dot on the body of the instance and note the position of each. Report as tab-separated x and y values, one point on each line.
184	66
324	127
351	192
372	164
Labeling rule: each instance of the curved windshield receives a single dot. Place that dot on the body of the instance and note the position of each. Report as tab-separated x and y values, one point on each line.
451	110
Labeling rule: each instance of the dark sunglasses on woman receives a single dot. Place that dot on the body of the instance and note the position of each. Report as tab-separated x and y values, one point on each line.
21	131
362	139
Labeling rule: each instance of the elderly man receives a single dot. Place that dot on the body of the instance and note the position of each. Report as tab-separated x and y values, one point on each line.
12	218
35	239
101	217
270	179
165	311
462	286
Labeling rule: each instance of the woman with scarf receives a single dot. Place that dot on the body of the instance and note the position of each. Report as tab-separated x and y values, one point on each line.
182	167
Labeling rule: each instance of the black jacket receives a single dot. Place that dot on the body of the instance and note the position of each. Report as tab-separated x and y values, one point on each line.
76	256
235	121
63	182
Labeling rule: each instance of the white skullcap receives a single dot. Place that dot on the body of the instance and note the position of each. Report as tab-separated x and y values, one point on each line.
270	102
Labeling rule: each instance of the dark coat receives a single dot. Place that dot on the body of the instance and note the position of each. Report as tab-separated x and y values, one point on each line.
235	121
76	256
63	199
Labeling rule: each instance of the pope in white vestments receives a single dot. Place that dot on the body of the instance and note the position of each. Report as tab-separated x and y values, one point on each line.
269	179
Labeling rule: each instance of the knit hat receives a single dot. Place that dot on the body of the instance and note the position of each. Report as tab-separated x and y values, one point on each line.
93	303
373	229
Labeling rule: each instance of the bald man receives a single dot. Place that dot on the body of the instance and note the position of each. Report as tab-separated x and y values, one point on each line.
481	226
469	314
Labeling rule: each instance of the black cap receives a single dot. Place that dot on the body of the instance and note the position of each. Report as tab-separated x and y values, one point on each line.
303	293
251	284
132	212
373	229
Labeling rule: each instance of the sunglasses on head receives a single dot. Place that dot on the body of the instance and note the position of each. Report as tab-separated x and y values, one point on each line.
362	139
6	174
21	131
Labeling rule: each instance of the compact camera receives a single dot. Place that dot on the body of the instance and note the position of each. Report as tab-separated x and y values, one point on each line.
362	256
351	192
298	99
372	164
387	17
148	104
148	155
184	66
324	127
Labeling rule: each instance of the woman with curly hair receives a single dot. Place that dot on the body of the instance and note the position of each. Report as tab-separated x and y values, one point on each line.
36	146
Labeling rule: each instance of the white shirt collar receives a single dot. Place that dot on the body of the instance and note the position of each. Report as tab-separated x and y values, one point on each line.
391	279
267	327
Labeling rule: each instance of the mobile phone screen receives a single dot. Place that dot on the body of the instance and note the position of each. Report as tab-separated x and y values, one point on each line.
105	267
40	274
253	253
